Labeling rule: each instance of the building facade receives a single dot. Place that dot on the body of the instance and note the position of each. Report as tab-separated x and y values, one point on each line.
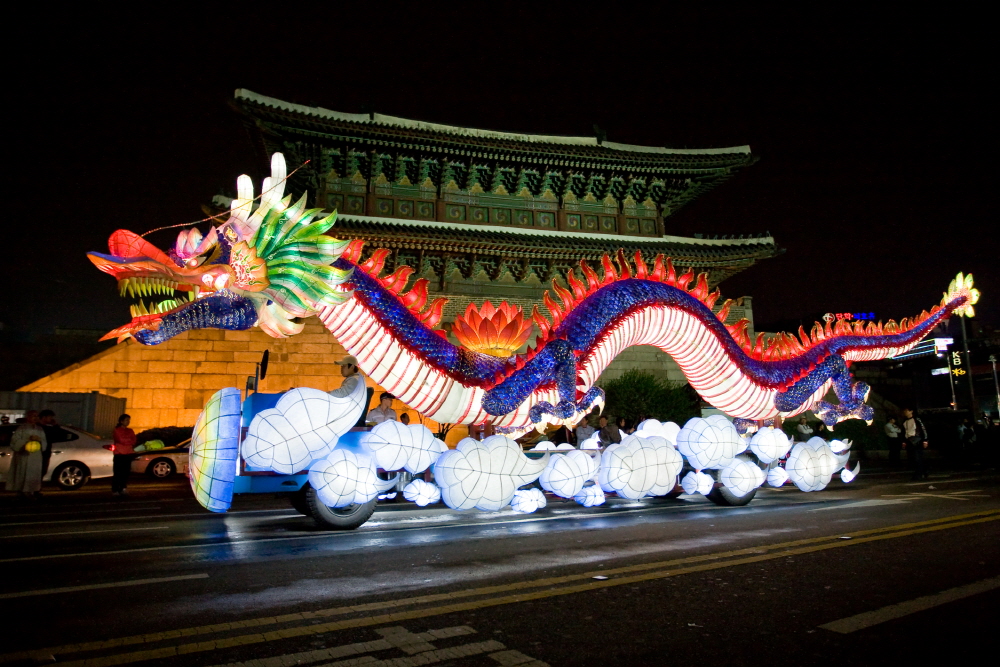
479	214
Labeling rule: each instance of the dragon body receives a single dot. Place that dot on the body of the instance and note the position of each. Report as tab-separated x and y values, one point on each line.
271	265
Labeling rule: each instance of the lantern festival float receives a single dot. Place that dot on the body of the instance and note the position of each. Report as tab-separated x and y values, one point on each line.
271	263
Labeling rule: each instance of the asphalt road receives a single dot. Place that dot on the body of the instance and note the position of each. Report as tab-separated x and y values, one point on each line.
880	571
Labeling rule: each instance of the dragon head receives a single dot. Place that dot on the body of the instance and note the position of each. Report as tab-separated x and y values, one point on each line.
266	265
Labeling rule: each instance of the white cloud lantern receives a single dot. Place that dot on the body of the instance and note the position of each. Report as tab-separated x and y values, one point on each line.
345	477
708	442
303	427
397	446
485	474
566	473
769	444
422	493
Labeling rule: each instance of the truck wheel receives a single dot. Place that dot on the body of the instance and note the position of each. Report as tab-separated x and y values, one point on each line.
722	496
299	502
338	518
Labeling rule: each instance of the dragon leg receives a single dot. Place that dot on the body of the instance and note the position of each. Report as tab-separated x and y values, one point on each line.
852	395
555	363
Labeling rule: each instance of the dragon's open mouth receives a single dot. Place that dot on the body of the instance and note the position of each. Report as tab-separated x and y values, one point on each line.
149	315
152	279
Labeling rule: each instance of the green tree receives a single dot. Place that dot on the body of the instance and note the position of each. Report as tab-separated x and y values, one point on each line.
638	394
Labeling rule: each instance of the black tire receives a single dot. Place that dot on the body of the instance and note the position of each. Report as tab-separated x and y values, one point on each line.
299	502
161	468
723	497
337	518
71	475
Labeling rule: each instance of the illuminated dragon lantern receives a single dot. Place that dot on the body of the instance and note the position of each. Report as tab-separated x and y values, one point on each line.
271	265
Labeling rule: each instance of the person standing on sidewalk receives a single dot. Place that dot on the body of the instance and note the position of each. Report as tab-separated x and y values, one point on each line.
26	444
124	449
915	442
892	433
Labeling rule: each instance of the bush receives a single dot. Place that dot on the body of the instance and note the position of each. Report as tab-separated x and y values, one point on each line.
638	395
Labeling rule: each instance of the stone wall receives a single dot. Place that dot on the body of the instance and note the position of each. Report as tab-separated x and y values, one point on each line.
168	384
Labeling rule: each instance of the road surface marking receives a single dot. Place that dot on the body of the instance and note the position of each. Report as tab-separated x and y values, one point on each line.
944	481
757	554
863	503
189	515
83	532
145	507
953	495
92	587
894	611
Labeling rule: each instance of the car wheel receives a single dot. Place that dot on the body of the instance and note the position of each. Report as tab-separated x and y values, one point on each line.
722	496
161	468
71	475
338	518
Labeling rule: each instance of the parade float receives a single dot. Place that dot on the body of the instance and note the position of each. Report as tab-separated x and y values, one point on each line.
271	264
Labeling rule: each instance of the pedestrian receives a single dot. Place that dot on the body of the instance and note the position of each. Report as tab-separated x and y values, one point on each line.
54	434
124	449
25	472
583	431
384	411
915	443
4	420
608	434
623	426
404	419
804	430
892	433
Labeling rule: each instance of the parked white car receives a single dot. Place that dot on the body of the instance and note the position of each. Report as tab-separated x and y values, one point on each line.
163	463
73	463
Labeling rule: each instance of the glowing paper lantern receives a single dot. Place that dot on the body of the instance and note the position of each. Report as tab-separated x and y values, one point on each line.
650	427
777	476
708	442
303	427
811	464
396	445
668	466
590	496
741	476
485	474
527	500
593	442
422	493
769	444
543	446
214	450
697	482
839	446
344	477
628	468
566	474
847	476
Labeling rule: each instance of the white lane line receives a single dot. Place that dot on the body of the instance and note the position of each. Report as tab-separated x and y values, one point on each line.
131	508
932	482
82	532
870	618
205	515
91	587
335	535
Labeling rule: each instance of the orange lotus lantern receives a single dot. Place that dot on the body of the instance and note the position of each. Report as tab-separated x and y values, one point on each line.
496	331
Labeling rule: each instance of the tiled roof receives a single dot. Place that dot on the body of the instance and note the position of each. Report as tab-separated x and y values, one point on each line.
488	239
553	150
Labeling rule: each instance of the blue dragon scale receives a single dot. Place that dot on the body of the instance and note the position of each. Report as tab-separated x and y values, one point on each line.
271	263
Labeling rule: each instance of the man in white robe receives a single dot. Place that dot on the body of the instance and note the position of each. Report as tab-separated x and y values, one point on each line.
26	444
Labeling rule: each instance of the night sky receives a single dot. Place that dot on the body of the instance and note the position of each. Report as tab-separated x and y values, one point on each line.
873	127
